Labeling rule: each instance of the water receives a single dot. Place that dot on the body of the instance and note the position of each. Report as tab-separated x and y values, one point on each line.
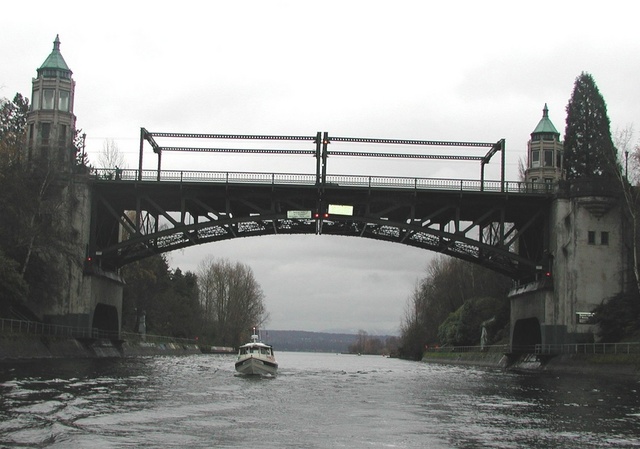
316	401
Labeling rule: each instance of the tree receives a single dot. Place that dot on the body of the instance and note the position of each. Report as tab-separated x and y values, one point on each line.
169	300
588	147
232	297
32	201
82	160
147	280
13	288
464	326
623	144
110	156
13	122
359	346
448	285
618	317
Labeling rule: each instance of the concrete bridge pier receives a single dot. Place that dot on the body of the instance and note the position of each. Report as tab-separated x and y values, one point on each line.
89	298
589	264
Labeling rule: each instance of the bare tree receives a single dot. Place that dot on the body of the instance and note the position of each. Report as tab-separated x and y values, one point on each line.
232	299
623	139
110	156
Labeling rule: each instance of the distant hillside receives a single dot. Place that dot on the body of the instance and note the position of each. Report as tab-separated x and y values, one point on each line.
310	341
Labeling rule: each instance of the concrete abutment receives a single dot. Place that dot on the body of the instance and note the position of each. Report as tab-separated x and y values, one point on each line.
590	264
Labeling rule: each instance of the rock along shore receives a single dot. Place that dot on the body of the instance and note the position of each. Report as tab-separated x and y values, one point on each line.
590	364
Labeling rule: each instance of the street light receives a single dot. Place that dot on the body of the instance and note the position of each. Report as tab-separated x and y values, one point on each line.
626	164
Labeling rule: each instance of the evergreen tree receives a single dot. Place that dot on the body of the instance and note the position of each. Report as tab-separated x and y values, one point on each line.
13	123
588	148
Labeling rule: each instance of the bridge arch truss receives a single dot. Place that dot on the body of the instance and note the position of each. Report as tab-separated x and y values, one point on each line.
500	225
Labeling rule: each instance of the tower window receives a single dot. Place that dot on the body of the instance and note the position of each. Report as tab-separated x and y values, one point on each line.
604	238
36	100
63	101
548	158
535	159
591	237
45	131
559	159
62	134
47	98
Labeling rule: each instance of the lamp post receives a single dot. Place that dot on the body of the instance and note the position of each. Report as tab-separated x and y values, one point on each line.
626	164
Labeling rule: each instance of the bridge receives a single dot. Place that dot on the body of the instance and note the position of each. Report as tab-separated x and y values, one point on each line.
499	224
568	244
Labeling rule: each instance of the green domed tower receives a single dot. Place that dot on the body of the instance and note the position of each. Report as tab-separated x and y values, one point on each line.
50	122
544	154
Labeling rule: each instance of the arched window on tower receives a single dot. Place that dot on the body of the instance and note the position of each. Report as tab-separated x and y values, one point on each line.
63	100
47	98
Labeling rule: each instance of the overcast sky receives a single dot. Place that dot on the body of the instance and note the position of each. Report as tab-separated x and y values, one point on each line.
458	71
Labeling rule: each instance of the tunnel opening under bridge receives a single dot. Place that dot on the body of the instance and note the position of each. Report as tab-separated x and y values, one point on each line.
526	335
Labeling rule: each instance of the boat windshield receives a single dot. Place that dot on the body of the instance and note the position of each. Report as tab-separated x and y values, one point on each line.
255	350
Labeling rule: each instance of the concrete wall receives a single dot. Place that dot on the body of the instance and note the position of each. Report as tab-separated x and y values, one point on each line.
584	272
86	289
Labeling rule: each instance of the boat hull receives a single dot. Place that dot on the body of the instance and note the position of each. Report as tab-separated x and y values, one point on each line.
256	366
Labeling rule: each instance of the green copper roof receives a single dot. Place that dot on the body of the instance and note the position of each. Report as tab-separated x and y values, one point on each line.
545	125
55	60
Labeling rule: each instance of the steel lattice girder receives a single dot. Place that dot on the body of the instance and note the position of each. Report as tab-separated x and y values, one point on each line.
504	232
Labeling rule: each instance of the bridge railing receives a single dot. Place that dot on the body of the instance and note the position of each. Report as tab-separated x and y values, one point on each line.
573	348
590	348
459	349
11	326
368	181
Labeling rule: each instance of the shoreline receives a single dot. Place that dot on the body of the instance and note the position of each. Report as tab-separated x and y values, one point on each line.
627	365
29	347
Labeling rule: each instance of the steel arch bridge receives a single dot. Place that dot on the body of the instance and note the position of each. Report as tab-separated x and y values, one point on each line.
501	225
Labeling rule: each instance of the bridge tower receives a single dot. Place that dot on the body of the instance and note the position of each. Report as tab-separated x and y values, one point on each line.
544	153
586	252
51	123
87	297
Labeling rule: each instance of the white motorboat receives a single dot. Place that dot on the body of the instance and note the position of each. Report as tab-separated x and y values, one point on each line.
256	357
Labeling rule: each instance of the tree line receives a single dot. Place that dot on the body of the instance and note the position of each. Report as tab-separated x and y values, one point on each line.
219	305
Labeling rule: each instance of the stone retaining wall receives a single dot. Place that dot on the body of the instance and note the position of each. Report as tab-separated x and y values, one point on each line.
33	347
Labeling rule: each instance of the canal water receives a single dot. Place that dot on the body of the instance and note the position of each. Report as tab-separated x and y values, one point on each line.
316	401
